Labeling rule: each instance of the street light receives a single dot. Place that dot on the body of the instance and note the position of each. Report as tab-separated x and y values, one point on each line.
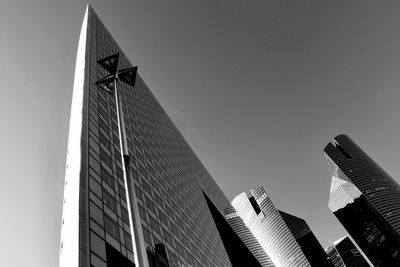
110	84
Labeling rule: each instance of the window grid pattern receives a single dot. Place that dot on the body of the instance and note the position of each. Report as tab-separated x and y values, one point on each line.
102	185
168	176
246	236
269	229
365	199
381	191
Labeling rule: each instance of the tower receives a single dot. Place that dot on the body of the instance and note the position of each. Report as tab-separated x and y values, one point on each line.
156	209
366	200
237	224
268	227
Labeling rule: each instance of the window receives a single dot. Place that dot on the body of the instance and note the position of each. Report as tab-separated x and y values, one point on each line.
122	193
107	177
142	212
150	205
94	164
146	235
97	245
109	201
154	224
95	187
111	227
96	214
125	215
93	144
105	157
120	174
138	192
104	140
128	241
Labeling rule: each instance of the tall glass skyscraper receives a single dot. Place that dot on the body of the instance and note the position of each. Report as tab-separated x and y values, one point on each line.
268	227
366	200
175	201
246	236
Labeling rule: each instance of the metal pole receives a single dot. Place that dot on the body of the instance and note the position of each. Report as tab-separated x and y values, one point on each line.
139	245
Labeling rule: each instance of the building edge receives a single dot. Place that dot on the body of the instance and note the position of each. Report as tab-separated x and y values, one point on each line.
69	243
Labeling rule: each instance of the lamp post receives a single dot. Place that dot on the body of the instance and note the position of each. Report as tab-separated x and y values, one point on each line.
110	84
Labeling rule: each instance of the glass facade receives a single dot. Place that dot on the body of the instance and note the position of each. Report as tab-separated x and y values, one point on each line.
366	200
247	237
334	256
268	227
169	182
344	253
306	239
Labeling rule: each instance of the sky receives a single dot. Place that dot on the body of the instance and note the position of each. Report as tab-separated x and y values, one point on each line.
257	88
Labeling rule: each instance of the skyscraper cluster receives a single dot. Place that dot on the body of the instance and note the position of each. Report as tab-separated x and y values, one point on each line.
136	194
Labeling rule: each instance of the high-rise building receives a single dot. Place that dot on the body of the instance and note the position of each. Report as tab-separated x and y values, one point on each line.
344	253
247	237
334	256
268	227
159	208
366	200
306	239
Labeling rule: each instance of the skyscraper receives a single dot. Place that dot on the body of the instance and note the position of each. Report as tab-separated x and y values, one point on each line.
334	256
366	200
247	237
306	239
268	227
160	210
343	253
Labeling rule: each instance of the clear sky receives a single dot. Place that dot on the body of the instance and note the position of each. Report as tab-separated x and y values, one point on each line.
257	88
